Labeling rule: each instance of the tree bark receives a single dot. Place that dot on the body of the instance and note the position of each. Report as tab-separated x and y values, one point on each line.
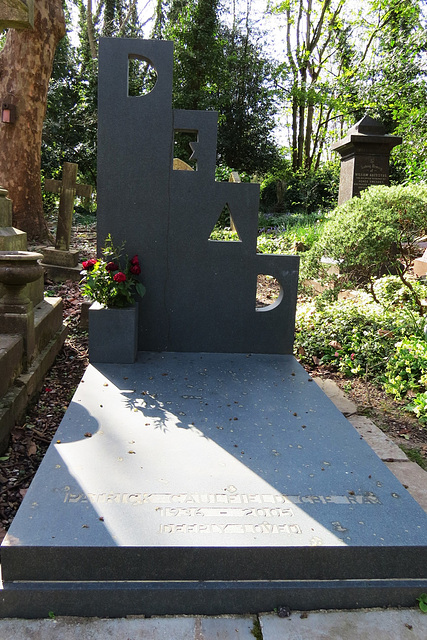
25	69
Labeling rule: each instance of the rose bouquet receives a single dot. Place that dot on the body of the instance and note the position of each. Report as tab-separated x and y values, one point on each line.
107	282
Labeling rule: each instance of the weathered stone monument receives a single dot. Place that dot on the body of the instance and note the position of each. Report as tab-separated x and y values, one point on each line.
420	265
60	261
365	157
212	475
16	14
31	329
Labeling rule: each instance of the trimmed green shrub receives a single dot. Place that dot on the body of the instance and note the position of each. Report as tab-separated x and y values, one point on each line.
370	236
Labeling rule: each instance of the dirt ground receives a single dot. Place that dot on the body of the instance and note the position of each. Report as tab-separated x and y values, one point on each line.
31	437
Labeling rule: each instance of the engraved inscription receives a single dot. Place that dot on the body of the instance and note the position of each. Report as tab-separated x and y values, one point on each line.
264	528
363	180
224	513
370	174
137	499
235	512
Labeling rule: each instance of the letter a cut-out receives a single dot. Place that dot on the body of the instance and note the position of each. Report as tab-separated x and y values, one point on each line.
225	230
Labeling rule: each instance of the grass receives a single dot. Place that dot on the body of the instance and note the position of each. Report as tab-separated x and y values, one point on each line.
256	630
414	454
280	234
288	233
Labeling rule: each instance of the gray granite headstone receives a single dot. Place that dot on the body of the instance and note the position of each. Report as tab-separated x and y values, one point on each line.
201	294
365	157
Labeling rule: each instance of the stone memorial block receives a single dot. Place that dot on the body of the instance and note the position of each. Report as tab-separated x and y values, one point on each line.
201	294
420	265
12	239
209	483
365	157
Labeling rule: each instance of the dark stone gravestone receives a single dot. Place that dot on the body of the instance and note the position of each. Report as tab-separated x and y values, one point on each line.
365	157
212	475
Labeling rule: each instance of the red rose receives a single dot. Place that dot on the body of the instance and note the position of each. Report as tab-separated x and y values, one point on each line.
88	264
135	269
119	277
135	260
112	266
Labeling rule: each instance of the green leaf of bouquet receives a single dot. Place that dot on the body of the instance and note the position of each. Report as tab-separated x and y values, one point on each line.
140	289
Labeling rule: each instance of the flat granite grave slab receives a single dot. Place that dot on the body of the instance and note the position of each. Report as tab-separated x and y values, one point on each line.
209	483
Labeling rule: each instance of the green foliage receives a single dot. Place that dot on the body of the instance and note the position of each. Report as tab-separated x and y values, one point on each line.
223	234
407	367
69	130
372	235
222	68
303	191
287	233
390	291
355	337
107	282
246	101
422	601
406	375
223	173
256	630
414	454
394	87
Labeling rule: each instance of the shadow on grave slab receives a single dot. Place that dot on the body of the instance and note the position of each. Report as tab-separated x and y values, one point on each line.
210	467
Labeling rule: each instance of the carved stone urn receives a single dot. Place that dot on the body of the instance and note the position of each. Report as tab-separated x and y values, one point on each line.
17	269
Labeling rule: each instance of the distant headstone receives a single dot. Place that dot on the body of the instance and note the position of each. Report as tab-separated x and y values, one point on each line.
365	157
68	188
420	265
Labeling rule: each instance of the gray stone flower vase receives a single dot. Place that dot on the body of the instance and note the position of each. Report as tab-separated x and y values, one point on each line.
113	334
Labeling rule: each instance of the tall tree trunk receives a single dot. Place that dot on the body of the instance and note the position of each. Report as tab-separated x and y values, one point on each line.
308	135
301	117
25	68
295	130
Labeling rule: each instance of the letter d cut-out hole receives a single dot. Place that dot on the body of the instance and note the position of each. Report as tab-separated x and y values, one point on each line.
268	293
142	77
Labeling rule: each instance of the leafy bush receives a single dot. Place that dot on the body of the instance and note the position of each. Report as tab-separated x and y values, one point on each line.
303	191
407	367
406	375
223	173
353	337
390	291
372	235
